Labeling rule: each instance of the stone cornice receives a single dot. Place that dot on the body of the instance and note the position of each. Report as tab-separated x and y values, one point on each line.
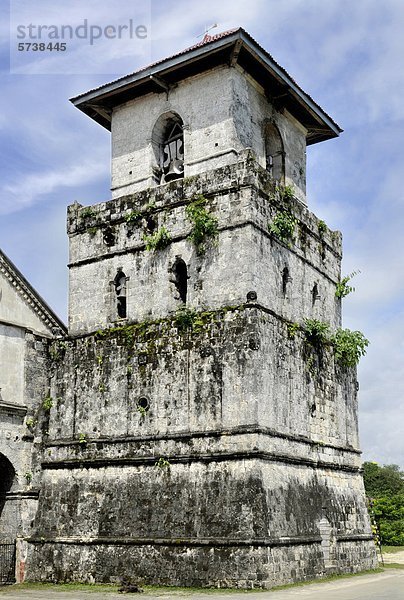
14	409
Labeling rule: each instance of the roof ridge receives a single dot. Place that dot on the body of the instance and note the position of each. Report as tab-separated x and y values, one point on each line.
207	39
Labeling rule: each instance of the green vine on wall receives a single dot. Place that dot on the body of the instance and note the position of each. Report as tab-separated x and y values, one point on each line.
142	411
322	227
133	217
162	463
317	332
343	289
349	346
57	350
292	329
285	192
204	224
82	439
158	240
47	403
185	318
283	227
88	213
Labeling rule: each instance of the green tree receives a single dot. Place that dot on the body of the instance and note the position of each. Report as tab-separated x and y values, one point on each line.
389	513
387	480
385	487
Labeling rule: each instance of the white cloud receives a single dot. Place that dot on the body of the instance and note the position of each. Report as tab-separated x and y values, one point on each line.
28	190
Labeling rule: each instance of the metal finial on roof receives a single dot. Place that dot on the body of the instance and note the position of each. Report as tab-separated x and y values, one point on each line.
205	34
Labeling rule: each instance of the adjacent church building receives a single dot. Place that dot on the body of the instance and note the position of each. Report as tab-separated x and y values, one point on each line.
190	428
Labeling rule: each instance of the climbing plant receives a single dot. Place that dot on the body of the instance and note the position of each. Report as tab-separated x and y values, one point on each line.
158	240
47	403
162	463
292	329
349	346
185	318
88	212
322	227
286	192
316	332
283	227
204	224
133	217
343	289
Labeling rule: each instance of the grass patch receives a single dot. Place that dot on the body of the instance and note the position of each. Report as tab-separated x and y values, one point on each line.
111	588
392	549
63	587
187	591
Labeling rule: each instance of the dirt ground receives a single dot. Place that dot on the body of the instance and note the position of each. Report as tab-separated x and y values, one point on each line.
388	585
394	557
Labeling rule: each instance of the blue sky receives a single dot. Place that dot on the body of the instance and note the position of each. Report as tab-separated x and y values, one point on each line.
347	54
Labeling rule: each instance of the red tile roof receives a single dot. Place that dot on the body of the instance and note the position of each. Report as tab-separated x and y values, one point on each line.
83	101
207	39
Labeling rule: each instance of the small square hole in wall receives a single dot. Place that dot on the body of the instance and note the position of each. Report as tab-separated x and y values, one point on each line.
130	172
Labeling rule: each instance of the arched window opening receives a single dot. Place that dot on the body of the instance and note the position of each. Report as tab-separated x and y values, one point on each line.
314	294
120	290
286	278
151	224
109	237
168	143
180	278
7	474
274	152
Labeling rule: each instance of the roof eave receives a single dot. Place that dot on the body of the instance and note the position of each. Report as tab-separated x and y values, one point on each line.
91	103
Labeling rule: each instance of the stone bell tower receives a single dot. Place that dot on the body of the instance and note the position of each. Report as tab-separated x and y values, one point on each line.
198	435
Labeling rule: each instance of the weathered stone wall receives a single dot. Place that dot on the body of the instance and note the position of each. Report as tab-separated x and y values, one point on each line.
22	423
238	367
223	111
242	198
228	415
164	525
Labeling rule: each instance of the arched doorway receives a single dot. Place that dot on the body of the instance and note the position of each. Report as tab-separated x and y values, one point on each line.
7	474
7	545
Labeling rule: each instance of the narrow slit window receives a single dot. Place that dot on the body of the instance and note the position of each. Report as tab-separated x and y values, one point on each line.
314	294
285	280
121	292
180	278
